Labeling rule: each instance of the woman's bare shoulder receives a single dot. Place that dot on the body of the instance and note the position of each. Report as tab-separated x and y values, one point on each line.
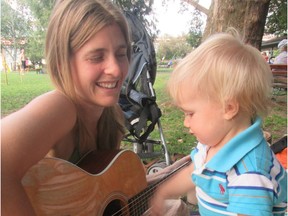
52	106
36	128
53	99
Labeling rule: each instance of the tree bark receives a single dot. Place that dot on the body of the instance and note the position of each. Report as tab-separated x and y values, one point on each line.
247	16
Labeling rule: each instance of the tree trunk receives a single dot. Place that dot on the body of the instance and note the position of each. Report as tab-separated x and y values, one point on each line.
247	16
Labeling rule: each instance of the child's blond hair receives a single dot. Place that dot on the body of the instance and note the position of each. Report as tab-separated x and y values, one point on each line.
224	68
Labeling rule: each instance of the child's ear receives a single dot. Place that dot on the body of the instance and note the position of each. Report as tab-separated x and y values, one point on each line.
231	109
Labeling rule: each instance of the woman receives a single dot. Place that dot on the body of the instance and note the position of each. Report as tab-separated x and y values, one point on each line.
87	55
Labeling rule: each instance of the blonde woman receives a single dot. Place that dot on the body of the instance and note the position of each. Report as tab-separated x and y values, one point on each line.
87	56
223	87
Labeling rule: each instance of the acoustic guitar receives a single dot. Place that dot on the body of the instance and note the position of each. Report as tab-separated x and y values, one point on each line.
102	183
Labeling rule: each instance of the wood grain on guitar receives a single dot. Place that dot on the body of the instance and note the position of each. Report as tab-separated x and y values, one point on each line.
103	183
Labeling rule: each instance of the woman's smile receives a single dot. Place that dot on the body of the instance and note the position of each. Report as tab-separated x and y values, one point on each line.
107	85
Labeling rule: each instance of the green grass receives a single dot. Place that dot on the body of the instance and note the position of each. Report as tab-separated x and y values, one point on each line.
275	123
177	137
22	89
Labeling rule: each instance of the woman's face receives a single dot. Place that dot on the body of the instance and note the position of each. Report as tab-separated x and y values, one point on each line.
100	67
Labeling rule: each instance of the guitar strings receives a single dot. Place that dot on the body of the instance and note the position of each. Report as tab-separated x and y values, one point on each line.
137	200
150	189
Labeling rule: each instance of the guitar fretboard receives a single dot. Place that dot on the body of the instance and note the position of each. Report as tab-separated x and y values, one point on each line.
139	203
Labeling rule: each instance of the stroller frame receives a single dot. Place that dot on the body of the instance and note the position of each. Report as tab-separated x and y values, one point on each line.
145	149
138	99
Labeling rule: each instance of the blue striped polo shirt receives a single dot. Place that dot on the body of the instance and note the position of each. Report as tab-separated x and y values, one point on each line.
244	177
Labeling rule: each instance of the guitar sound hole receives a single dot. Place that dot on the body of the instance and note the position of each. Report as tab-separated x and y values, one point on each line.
113	208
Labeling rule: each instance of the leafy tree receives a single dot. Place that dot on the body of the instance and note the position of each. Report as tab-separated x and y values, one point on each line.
277	18
40	11
172	47
143	10
15	28
195	32
139	7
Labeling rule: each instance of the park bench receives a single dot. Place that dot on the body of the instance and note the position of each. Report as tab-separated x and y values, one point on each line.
279	72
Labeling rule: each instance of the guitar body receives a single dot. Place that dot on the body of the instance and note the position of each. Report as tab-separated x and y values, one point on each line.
101	184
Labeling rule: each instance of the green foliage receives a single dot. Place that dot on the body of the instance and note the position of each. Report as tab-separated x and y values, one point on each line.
15	28
140	7
194	38
40	10
143	10
195	32
15	24
276	22
35	46
172	47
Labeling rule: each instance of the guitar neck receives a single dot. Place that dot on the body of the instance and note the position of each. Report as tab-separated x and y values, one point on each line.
139	203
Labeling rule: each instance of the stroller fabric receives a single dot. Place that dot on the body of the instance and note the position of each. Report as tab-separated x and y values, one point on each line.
137	98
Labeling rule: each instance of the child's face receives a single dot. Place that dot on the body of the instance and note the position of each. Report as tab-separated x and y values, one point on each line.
204	118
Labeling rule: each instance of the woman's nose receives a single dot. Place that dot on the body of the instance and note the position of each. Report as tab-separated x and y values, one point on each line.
113	67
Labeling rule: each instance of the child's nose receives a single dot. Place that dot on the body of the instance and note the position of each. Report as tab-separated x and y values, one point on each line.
186	122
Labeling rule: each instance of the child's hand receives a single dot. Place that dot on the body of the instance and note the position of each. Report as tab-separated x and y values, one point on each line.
157	205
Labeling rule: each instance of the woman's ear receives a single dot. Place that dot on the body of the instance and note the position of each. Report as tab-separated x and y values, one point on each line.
231	109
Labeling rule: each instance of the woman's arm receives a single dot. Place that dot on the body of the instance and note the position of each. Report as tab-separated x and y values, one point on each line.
27	136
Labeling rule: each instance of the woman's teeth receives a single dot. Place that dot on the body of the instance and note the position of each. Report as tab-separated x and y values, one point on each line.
107	85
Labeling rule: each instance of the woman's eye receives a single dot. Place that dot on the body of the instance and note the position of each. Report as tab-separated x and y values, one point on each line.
122	55
96	59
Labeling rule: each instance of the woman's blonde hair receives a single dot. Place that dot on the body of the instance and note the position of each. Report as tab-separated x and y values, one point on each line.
224	68
72	24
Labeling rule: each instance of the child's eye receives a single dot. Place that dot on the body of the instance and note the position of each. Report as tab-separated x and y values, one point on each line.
188	114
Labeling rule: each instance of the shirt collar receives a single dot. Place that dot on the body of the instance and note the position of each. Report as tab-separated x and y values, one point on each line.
237	147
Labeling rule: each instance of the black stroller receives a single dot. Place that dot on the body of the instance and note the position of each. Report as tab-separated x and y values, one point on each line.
138	98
